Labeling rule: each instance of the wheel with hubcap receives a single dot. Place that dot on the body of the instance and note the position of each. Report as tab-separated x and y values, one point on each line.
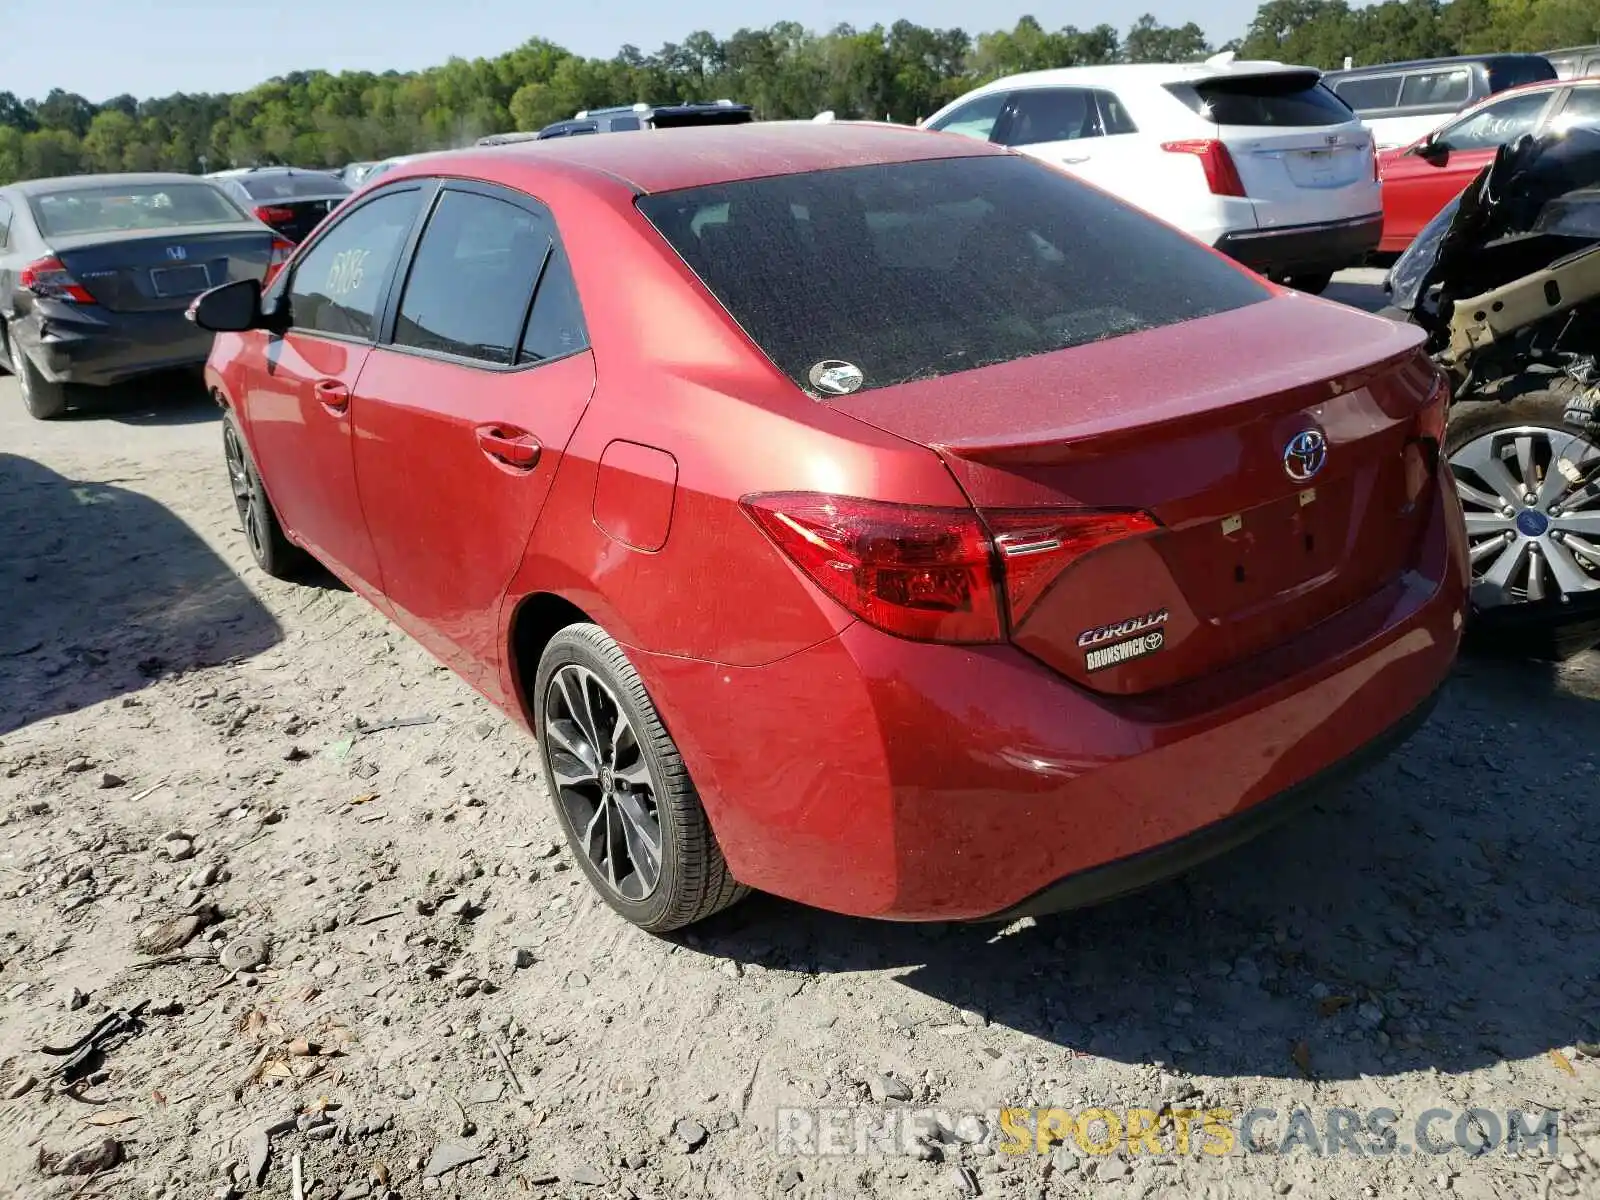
274	553
1530	488
621	791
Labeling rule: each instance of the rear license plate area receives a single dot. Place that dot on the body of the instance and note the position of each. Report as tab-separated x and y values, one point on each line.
1282	545
180	281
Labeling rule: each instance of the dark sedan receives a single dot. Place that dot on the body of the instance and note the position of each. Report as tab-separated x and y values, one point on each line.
96	272
291	200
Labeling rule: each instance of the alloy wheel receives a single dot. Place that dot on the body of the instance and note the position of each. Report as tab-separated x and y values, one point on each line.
246	496
603	781
1531	495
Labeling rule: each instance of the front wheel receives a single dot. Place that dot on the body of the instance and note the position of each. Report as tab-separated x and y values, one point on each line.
1530	488
623	796
273	551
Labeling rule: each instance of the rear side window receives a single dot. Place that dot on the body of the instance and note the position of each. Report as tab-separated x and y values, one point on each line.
923	269
1426	89
1040	115
1047	115
339	284
1369	93
1514	72
471	279
623	124
1290	100
555	327
291	187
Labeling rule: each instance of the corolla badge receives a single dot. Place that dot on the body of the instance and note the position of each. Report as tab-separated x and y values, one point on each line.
1305	455
835	377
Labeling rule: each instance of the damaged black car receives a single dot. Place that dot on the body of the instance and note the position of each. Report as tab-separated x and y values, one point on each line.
1506	282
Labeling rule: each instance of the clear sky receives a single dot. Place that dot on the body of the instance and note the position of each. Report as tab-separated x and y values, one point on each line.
103	48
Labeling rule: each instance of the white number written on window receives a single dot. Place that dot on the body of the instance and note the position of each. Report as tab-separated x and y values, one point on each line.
345	275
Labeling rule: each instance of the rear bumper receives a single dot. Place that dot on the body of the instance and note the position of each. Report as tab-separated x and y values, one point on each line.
883	778
1305	249
91	345
1130	874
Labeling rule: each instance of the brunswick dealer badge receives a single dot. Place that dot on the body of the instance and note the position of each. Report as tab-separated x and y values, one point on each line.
1110	645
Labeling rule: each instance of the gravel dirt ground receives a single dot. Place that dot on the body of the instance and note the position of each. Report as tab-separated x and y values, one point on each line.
370	971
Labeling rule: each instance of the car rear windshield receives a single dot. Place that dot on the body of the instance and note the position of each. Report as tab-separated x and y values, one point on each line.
670	119
291	187
132	206
915	270
1291	99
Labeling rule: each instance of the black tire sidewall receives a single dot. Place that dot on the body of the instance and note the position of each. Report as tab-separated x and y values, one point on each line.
1473	419
44	400
577	645
276	553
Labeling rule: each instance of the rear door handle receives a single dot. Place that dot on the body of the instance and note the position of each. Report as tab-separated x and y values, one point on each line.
333	395
513	447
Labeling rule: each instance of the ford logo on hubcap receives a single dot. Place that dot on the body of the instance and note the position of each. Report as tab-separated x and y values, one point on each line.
1305	455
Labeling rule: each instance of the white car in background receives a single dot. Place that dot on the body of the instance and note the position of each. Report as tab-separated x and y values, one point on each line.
1255	158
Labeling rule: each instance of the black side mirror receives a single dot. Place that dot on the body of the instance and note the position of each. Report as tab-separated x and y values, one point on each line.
231	308
1432	151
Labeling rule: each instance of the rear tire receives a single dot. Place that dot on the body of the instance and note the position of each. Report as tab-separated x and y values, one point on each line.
273	551
618	783
45	401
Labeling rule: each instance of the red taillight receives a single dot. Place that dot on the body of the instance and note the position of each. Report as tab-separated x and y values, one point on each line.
922	573
1222	177
1035	547
49	279
274	214
933	574
282	248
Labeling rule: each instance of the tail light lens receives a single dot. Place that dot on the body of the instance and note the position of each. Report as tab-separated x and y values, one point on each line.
1035	547
1222	177
282	248
1377	163
933	574
49	279
274	214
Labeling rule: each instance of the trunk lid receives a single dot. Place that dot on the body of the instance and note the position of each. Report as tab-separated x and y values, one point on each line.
1191	424
163	269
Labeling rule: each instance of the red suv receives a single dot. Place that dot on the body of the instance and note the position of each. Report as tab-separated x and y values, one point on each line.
888	522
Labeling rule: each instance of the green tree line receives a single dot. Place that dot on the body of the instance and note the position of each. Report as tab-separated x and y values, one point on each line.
903	72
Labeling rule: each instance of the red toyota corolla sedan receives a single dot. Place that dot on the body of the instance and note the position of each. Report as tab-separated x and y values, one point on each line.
876	518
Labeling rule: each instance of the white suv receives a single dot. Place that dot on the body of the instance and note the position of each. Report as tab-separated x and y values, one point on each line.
1255	158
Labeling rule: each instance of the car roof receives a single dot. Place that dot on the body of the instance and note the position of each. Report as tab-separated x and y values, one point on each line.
702	155
73	183
1412	64
1149	73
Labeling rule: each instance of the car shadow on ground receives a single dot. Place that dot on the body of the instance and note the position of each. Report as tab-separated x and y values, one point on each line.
171	398
1440	912
104	590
